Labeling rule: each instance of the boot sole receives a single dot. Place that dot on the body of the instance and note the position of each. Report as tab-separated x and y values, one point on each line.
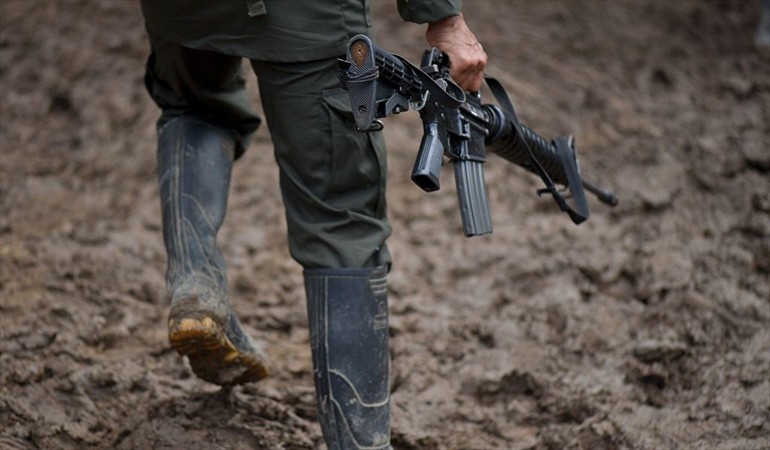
212	356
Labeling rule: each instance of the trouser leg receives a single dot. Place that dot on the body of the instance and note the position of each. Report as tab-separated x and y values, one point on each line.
348	315
207	85
332	181
332	178
206	122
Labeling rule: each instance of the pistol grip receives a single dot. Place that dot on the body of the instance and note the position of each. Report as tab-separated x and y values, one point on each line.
427	167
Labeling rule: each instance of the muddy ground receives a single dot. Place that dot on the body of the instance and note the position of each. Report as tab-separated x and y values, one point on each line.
648	327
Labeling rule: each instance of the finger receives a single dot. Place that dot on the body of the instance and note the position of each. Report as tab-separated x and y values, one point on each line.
471	78
474	84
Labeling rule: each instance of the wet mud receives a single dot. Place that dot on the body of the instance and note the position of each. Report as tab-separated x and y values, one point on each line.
648	327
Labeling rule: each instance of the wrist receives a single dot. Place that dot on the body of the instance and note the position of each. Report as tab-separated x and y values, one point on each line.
441	31
445	23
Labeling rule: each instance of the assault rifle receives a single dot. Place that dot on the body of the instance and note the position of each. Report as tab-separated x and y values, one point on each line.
457	125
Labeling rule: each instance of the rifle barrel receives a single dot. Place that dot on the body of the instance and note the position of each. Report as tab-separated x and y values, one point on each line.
604	196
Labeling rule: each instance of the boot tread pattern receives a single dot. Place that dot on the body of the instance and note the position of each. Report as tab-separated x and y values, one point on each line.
211	354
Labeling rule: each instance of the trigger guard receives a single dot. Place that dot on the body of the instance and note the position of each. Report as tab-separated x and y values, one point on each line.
418	105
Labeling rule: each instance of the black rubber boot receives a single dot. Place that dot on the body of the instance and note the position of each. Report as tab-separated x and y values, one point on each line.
348	315
194	168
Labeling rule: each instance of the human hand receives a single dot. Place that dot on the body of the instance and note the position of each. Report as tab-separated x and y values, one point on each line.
466	55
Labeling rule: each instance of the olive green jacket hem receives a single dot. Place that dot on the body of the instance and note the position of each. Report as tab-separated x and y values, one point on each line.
276	30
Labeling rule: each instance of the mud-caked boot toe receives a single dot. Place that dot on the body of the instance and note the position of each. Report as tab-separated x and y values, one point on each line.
217	347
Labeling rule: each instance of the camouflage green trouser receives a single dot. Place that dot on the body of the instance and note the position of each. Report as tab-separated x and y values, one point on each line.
332	178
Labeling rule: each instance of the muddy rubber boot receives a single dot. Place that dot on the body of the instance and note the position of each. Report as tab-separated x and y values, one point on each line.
348	316
194	168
